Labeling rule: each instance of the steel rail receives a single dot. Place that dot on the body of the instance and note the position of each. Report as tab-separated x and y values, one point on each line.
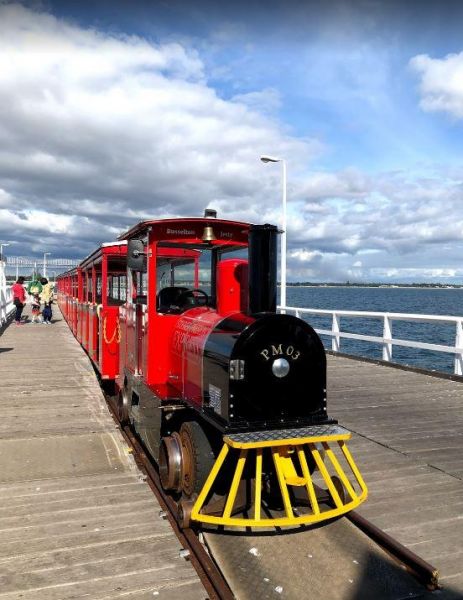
208	572
423	571
426	573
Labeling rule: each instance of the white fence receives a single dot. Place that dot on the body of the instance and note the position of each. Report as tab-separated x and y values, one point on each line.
386	340
6	297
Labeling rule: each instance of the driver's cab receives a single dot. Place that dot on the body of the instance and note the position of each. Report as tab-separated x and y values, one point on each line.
176	266
178	280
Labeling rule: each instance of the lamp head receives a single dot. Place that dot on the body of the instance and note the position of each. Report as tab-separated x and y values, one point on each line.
265	159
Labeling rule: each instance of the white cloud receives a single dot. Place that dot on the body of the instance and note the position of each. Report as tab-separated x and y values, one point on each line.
349	183
441	83
114	129
98	131
265	101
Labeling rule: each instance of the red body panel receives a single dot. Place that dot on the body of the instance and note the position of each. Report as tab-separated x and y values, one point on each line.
93	332
187	348
109	342
232	286
84	313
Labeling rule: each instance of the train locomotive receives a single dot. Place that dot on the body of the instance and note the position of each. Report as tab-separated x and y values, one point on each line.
227	395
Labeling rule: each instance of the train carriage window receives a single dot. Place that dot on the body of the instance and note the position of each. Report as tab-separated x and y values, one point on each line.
89	287
142	287
186	274
117	289
98	288
84	287
172	272
116	293
233	253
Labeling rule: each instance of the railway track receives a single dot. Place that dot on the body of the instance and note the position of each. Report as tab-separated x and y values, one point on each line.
193	550
211	576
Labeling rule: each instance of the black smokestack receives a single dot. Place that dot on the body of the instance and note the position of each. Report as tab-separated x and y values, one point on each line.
262	268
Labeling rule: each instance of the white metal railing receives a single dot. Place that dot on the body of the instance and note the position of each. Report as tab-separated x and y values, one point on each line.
386	340
6	297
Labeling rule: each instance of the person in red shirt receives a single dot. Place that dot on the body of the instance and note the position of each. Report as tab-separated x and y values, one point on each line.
19	299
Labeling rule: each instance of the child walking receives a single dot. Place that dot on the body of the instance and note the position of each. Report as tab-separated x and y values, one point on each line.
35	309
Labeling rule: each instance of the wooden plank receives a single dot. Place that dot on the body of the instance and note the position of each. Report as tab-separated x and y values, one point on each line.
410	448
77	518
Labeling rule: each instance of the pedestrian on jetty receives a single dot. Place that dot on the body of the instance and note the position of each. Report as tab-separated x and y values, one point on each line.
35	309
19	299
46	296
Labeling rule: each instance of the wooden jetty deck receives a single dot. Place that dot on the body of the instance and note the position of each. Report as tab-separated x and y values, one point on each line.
408	443
76	517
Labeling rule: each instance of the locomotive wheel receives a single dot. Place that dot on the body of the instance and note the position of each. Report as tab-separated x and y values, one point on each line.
123	403
170	462
184	508
197	458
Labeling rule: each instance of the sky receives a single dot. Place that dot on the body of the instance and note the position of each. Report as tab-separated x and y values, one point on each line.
113	112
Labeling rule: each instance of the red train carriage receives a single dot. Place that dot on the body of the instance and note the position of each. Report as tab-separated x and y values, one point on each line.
67	291
89	298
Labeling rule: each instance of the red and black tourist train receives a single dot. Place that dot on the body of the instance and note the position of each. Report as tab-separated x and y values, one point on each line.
179	318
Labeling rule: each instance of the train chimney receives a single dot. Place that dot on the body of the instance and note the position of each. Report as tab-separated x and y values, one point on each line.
262	268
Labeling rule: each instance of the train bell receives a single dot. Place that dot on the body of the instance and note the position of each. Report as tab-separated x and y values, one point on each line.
208	234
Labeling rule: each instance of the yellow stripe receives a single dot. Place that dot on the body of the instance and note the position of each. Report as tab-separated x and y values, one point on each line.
281	480
339	470
326	476
355	470
280	521
258	484
309	482
209	482
235	484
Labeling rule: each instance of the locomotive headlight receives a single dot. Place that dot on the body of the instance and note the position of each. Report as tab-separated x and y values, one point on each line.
280	367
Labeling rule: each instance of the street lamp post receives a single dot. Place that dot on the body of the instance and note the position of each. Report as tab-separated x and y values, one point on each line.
45	254
1	249
267	159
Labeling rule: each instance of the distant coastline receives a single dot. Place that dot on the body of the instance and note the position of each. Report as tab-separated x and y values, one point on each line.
427	286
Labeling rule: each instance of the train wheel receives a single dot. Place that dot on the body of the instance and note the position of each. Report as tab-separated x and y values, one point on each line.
170	462
197	458
123	403
184	508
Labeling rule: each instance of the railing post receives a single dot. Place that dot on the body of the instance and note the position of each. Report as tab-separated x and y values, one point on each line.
2	307
387	339
335	328
459	344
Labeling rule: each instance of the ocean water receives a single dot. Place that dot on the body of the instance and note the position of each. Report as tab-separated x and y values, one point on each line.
434	301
